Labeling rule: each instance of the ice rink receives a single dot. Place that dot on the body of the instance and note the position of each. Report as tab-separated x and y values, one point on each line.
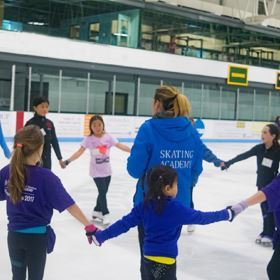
222	251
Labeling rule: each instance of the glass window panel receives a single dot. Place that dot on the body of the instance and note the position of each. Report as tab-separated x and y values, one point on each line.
174	83
5	85
275	105
74	91
211	99
245	104
125	88
94	29
45	82
262	105
193	92
1	12
228	104
99	87
147	92
74	32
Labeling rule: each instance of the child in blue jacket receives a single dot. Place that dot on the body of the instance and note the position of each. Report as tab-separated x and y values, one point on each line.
162	217
3	144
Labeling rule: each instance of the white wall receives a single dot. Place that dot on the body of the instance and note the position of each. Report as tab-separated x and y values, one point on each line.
60	48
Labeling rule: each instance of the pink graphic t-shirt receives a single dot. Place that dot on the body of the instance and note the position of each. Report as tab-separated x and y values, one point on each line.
99	148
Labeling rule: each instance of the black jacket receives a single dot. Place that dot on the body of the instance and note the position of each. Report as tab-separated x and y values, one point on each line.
267	162
48	129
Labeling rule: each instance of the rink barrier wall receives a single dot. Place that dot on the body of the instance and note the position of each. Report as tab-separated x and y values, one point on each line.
73	127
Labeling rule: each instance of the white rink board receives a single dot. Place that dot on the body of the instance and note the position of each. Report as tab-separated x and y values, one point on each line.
71	127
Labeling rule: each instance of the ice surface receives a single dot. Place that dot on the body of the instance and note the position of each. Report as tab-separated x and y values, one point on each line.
222	251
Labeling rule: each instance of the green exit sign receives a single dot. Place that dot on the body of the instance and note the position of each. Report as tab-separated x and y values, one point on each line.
237	75
277	84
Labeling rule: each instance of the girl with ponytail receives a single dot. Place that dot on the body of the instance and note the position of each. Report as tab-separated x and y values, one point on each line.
162	218
32	193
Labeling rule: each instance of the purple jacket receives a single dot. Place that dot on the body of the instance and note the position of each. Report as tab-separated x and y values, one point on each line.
43	192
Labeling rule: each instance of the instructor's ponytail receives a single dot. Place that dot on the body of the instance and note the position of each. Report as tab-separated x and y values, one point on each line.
173	102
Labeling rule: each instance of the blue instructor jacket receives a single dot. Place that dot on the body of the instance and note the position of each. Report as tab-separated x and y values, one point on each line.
168	141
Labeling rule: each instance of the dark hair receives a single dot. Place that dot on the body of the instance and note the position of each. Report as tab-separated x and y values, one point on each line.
274	130
27	141
95	118
39	100
277	119
157	178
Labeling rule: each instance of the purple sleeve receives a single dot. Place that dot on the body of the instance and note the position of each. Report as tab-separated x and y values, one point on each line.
4	175
2	187
272	193
57	196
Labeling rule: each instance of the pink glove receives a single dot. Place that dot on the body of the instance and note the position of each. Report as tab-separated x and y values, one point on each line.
90	231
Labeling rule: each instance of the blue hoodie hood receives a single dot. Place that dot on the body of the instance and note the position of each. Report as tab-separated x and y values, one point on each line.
173	129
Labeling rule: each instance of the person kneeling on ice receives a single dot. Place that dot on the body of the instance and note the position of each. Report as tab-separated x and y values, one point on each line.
162	217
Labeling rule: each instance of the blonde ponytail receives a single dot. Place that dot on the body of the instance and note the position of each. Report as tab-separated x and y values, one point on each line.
173	102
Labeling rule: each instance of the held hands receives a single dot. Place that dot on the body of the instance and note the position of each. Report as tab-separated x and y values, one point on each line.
66	162
225	165
62	163
90	233
236	209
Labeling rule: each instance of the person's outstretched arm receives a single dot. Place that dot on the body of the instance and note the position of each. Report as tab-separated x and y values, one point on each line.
77	213
210	157
123	147
258	197
121	226
240	157
76	155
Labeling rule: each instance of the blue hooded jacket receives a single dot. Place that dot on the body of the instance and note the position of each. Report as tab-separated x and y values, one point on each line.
168	141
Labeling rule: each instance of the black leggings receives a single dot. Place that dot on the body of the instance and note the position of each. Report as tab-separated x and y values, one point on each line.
102	184
151	270
158	271
273	268
27	252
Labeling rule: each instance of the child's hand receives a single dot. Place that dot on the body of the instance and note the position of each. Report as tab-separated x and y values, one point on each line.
225	165
90	233
66	162
62	164
236	209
